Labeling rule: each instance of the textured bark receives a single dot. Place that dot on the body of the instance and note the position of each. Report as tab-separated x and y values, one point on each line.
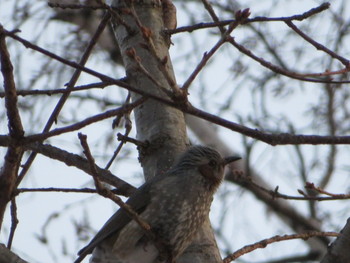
164	127
6	256
339	250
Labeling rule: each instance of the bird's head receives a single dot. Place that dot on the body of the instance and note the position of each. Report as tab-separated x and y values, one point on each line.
207	161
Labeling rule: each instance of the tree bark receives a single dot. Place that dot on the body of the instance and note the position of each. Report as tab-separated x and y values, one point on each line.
6	256
162	126
339	250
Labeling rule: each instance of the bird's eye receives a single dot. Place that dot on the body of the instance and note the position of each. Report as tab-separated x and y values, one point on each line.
212	163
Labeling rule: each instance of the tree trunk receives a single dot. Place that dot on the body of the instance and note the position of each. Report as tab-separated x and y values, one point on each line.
162	126
6	256
339	250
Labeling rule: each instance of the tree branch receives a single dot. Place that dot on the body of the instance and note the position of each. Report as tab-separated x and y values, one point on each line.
54	115
8	173
70	159
268	241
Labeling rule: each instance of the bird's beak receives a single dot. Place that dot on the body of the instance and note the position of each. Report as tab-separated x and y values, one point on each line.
231	159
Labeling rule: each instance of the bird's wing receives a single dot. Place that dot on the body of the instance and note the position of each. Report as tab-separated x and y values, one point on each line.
138	202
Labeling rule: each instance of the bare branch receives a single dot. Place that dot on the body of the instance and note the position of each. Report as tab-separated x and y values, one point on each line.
70	159
106	192
138	143
276	194
8	173
54	115
99	85
14	222
76	126
55	190
268	241
221	23
127	126
272	139
319	46
285	72
240	18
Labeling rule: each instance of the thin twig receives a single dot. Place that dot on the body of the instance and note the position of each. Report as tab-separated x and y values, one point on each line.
54	115
107	193
125	139
63	190
14	222
49	92
119	117
213	15
288	21
207	55
319	46
282	71
56	189
78	125
128	127
265	242
300	17
322	191
276	194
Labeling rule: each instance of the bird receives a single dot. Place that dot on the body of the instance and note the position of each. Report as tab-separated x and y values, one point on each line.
174	204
